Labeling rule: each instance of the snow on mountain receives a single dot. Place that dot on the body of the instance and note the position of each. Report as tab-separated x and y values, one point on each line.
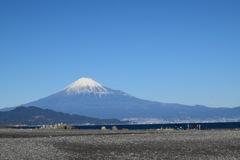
88	97
86	86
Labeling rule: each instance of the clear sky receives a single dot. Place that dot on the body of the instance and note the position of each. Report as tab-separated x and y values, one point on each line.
172	51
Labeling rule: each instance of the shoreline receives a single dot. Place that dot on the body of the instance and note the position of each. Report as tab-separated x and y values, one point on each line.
181	126
120	144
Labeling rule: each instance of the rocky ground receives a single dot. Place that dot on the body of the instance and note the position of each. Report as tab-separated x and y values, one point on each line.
96	144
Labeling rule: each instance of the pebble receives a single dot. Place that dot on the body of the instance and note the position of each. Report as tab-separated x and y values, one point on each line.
127	144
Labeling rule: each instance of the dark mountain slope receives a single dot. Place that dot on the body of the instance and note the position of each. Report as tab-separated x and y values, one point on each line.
89	98
38	116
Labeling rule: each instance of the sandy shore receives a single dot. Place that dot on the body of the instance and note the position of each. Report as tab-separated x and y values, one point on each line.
82	144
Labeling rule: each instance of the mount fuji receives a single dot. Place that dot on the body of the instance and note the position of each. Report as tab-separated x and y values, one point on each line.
88	97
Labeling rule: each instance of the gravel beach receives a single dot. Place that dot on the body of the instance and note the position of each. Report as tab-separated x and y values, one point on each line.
36	144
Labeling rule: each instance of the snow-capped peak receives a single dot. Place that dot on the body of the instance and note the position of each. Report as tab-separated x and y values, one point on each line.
86	86
85	82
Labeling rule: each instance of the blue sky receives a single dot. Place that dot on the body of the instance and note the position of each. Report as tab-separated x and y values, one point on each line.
164	50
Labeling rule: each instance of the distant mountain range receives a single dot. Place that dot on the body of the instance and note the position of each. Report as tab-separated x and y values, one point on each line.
39	116
87	97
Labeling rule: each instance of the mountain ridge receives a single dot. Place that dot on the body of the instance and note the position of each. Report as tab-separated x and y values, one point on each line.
90	100
37	116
